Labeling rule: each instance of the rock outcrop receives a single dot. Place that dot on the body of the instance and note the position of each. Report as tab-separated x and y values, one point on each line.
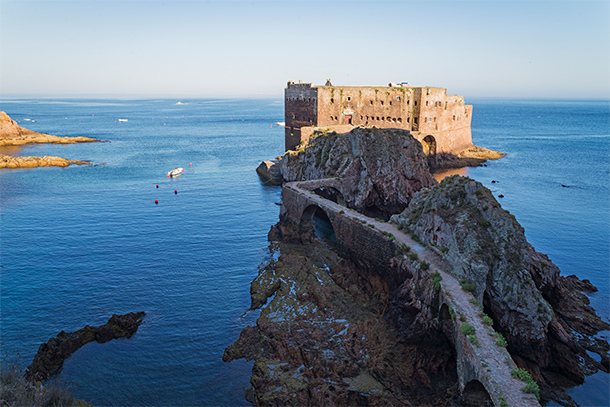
7	161
269	171
51	355
471	157
378	170
545	317
11	134
334	333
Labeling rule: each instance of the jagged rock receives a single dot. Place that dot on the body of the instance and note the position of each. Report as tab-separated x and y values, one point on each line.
7	161
545	317
378	170
51	355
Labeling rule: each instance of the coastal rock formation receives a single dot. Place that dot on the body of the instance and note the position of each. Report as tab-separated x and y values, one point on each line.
51	355
471	157
334	333
11	134
545	317
7	161
269	171
377	170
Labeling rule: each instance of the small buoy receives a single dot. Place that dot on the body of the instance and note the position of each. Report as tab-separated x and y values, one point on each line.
191	164
156	201
500	196
176	191
157	185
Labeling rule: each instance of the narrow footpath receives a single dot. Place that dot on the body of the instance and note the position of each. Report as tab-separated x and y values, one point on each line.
495	362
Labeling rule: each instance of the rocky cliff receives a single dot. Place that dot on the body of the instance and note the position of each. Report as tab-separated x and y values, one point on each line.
544	316
378	170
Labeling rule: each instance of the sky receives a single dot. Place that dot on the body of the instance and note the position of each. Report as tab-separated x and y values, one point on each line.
231	48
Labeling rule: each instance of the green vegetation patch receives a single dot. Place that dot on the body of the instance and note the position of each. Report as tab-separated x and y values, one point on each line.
436	280
530	385
468	329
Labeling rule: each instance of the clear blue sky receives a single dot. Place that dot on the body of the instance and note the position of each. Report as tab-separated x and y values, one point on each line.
234	48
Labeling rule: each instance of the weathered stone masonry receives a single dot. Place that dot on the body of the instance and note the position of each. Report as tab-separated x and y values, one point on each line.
439	121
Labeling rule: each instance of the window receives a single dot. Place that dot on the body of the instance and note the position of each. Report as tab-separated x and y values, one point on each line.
371	103
349	98
398	98
415	103
390	103
332	101
426	103
381	102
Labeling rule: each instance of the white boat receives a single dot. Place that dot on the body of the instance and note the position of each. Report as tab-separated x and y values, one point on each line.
175	172
122	120
282	124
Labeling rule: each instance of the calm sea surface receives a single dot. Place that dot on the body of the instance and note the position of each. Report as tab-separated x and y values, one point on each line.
81	243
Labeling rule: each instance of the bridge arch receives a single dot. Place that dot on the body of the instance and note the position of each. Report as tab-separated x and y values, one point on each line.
475	395
315	223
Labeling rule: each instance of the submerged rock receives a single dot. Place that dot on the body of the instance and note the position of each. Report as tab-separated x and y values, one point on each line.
51	355
545	317
378	170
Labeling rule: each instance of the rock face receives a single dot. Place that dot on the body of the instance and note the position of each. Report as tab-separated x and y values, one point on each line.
545	317
378	170
337	334
7	161
11	134
51	355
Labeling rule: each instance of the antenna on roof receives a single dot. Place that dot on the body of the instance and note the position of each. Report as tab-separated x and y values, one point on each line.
328	83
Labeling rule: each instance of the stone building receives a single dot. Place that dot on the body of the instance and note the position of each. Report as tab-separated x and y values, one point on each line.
439	121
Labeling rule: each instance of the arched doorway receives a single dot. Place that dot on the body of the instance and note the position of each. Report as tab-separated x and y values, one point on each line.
429	145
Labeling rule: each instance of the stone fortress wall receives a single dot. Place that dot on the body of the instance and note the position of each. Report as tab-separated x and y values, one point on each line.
439	121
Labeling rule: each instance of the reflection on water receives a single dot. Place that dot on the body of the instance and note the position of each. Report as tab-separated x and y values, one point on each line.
10	150
439	176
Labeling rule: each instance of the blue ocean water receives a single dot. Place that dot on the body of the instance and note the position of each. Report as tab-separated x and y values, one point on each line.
80	243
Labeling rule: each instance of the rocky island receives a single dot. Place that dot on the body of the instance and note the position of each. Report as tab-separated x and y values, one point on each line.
11	134
399	289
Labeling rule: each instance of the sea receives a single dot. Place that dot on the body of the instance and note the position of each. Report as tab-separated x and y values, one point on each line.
81	243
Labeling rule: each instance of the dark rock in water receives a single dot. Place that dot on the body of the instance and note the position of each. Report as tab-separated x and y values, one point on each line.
51	355
269	172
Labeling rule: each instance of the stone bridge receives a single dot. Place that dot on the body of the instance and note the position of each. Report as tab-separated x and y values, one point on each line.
484	369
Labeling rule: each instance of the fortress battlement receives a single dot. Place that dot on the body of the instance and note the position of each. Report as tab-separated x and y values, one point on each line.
439	121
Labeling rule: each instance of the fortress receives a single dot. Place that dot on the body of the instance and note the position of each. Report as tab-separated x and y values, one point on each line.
440	122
